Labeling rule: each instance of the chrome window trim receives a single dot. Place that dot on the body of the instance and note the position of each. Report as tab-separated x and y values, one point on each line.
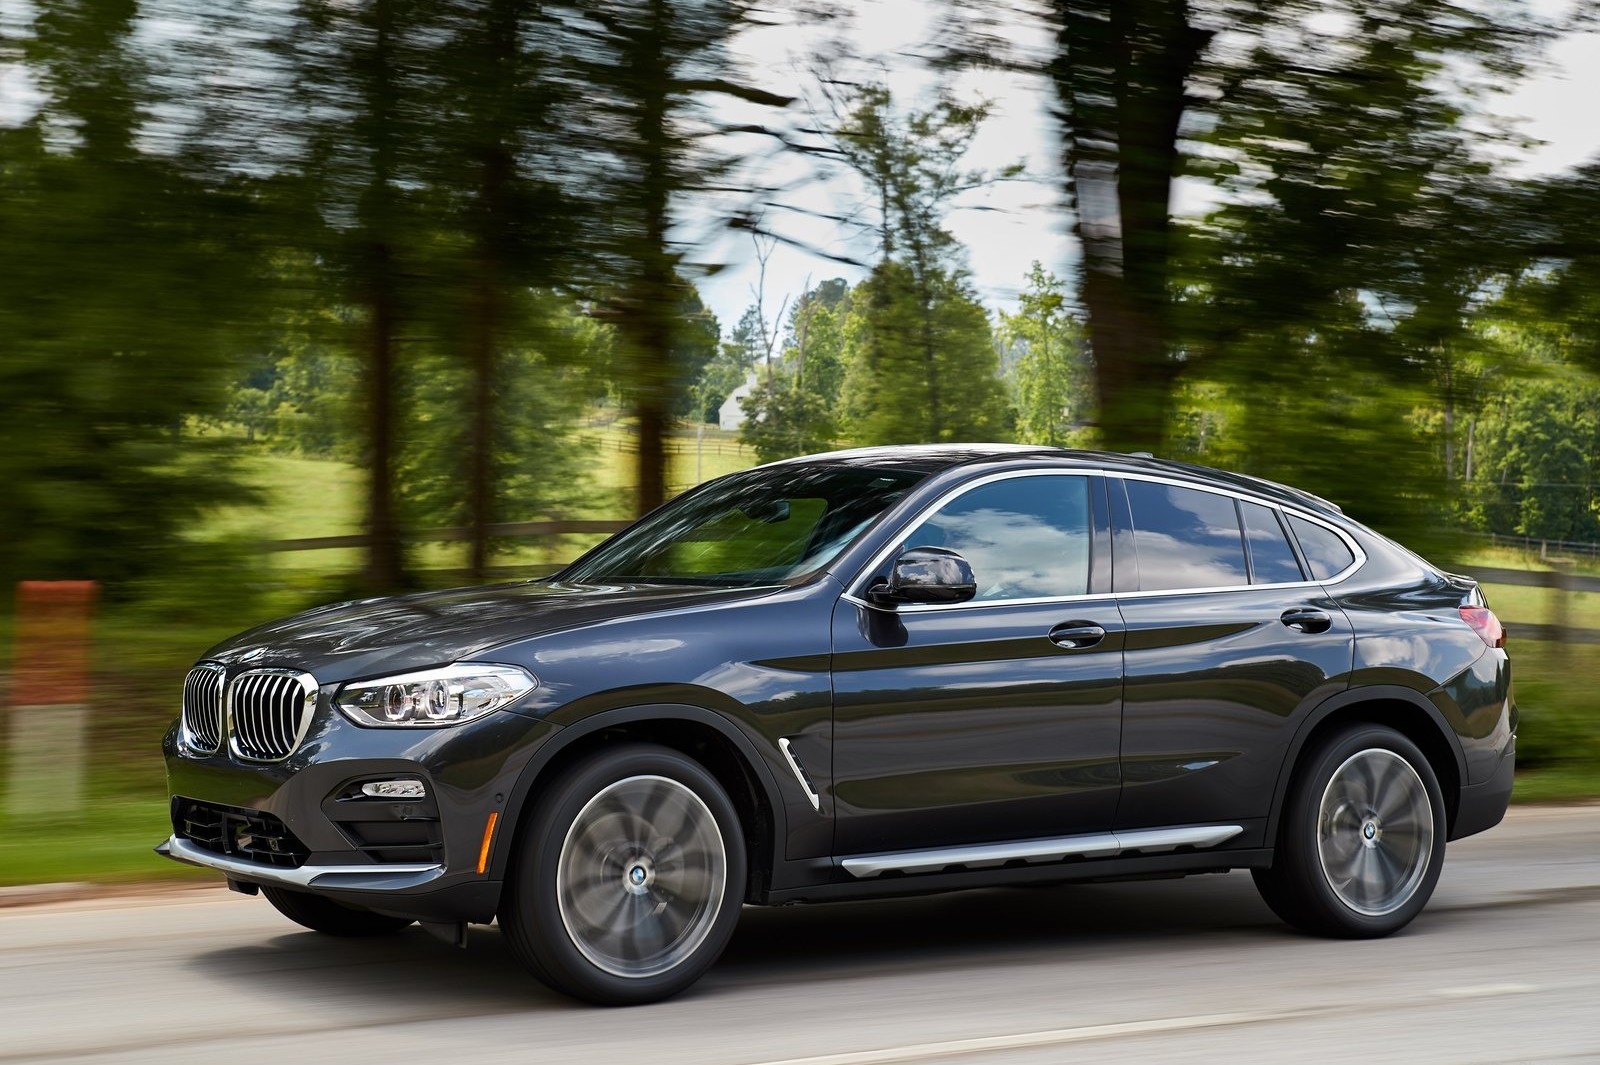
308	709
878	559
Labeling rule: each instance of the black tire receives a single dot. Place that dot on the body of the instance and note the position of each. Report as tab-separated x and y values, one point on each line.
329	917
1361	840
634	848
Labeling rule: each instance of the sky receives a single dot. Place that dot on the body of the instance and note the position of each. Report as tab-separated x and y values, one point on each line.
1026	221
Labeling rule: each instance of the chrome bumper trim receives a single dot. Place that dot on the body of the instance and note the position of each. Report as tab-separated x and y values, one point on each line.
1094	845
356	877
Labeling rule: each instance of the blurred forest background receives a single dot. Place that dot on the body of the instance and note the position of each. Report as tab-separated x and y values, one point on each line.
420	276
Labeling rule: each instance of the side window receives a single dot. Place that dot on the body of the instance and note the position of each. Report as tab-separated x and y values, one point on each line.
1272	560
1325	553
1185	538
1025	537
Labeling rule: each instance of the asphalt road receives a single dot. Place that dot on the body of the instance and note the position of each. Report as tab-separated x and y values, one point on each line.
1504	966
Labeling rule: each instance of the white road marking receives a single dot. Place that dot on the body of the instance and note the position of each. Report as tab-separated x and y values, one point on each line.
1486	990
1051	1037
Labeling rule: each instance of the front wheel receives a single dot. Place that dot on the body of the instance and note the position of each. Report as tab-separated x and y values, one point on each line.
627	884
1361	843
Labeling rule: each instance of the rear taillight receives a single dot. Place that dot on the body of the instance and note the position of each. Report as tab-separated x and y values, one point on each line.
1485	624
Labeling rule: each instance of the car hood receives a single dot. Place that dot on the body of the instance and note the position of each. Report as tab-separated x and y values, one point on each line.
368	637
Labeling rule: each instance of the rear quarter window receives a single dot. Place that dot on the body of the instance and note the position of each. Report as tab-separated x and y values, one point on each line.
1326	553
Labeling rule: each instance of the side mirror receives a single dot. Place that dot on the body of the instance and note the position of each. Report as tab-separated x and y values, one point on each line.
926	575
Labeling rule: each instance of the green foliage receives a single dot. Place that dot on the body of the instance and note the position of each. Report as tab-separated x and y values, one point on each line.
1361	236
783	419
922	366
696	345
1050	376
1537	461
120	299
794	409
536	465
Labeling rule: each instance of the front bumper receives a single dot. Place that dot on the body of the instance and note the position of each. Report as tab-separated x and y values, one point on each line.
396	877
434	859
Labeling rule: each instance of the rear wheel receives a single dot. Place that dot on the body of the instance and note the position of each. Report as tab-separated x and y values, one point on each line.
1361	842
329	917
627	884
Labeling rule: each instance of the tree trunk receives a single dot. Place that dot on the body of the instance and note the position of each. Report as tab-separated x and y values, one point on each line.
385	568
652	302
496	168
482	356
1121	70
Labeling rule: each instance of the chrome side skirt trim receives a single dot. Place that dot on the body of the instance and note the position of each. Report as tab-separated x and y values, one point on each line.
800	774
1094	845
363	877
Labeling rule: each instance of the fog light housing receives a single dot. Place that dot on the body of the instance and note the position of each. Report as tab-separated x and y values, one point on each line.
395	789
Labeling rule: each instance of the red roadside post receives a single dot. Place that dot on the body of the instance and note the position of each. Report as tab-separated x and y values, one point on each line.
49	715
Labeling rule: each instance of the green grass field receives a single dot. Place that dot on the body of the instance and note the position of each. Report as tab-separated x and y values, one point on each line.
142	651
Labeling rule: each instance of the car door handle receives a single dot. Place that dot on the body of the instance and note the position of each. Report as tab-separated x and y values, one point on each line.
1077	634
1305	619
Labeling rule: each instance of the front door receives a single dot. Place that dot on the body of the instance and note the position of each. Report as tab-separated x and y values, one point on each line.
999	718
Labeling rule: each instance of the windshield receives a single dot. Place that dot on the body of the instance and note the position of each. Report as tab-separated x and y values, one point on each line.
761	526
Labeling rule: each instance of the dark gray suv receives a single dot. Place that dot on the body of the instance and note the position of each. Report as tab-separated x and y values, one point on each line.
876	672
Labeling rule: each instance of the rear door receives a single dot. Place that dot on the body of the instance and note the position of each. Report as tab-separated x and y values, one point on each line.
1227	637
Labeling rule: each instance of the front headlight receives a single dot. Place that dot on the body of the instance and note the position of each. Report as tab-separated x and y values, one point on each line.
434	698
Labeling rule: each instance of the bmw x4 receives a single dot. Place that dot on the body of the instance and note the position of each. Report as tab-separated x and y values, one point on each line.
876	672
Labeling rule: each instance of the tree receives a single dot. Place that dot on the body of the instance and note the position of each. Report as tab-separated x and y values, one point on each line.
649	64
1051	374
923	366
361	68
498	167
782	420
1363	229
535	462
793	408
907	335
1151	91
1536	472
120	298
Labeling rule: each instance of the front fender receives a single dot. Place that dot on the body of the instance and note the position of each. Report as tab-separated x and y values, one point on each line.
575	732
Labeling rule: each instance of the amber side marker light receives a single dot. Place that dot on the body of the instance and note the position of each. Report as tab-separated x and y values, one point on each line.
488	838
1485	624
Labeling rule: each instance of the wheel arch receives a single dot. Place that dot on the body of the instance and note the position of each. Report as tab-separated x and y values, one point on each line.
708	737
1405	710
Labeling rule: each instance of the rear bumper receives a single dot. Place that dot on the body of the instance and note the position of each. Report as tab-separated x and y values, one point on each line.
1482	806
